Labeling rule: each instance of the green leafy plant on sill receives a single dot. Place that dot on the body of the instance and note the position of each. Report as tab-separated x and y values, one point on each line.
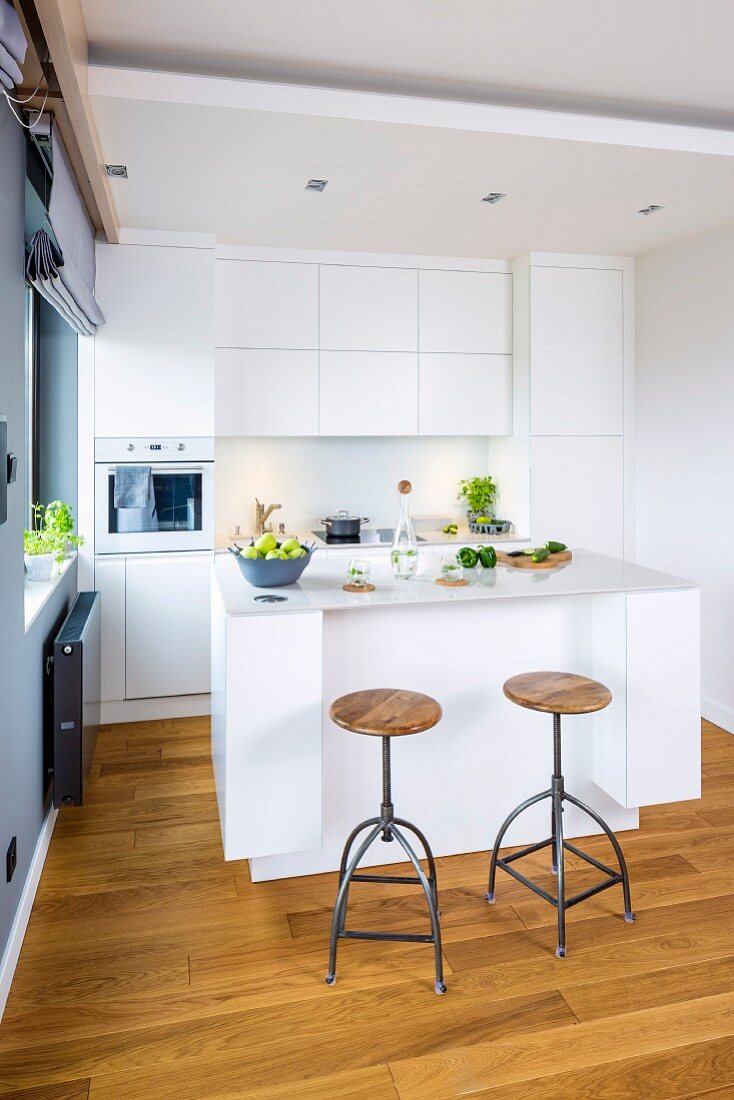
479	494
53	531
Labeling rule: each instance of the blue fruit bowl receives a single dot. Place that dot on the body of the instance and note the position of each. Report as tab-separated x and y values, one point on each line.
275	573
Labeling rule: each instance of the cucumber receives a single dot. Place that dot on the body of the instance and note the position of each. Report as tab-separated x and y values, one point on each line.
541	554
555	547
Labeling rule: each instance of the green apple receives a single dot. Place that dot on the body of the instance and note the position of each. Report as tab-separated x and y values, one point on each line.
272	555
290	545
250	552
299	553
266	543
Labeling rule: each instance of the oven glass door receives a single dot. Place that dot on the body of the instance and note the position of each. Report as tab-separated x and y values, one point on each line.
174	505
178	514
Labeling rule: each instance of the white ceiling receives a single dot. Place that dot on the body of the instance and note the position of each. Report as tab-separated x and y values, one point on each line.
398	188
635	58
240	173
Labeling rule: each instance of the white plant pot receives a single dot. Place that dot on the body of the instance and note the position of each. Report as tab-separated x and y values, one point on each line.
39	566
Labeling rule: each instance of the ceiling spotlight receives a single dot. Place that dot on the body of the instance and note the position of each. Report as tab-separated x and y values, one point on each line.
651	209
119	171
494	197
316	185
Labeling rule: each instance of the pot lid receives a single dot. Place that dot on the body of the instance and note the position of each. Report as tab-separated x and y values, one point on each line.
343	515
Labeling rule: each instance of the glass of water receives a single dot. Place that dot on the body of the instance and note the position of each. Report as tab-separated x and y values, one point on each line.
451	568
358	573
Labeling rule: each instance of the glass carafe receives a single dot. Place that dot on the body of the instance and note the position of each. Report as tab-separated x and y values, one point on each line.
404	552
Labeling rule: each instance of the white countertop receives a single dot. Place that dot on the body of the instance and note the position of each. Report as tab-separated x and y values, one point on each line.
464	537
320	587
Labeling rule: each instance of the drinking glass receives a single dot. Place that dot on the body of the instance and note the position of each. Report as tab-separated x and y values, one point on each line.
358	573
451	568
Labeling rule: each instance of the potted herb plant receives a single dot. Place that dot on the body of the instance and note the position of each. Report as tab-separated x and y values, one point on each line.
58	517
479	494
50	540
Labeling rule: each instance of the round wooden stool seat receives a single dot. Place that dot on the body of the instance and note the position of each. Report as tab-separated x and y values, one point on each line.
385	712
557	693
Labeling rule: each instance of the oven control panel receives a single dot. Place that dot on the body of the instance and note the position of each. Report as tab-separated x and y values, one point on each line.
188	449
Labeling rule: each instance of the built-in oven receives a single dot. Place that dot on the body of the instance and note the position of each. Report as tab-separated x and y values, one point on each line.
153	495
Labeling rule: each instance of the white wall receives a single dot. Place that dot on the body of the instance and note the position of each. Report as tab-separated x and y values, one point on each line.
685	438
315	477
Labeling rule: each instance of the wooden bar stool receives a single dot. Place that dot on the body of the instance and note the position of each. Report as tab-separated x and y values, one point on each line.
559	693
386	713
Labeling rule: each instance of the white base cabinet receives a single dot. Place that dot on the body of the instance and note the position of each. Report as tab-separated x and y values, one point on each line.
156	632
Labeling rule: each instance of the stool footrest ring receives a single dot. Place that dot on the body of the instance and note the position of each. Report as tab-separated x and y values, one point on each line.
397	937
403	880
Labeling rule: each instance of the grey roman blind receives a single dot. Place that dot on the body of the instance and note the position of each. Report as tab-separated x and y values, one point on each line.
12	46
67	281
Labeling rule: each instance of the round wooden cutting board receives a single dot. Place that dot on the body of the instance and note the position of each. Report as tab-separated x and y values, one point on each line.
526	562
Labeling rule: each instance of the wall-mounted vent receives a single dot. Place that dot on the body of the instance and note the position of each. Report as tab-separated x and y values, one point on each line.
494	197
316	185
118	171
651	209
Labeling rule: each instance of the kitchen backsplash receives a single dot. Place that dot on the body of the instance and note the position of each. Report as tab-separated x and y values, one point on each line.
312	478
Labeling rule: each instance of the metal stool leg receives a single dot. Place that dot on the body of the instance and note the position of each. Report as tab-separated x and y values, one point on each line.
500	836
432	877
345	859
337	920
629	916
560	871
440	985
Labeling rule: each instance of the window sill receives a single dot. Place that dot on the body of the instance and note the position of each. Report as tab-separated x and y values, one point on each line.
37	593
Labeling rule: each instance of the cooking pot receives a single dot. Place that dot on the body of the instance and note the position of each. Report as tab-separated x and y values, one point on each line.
342	525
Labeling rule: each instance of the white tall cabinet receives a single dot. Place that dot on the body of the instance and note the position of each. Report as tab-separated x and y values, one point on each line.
574	360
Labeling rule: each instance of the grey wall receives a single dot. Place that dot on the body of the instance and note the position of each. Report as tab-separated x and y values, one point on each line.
57	407
22	780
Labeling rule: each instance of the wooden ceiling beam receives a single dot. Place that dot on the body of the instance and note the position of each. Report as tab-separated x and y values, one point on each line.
65	36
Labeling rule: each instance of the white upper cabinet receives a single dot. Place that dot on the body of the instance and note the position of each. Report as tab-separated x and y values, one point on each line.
266	392
465	311
153	388
266	304
151	293
465	394
368	308
577	351
576	309
368	393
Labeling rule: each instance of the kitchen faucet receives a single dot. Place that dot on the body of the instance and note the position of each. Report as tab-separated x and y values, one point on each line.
261	515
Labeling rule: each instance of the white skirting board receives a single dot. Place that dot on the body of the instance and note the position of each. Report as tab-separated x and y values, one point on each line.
717	713
17	932
146	710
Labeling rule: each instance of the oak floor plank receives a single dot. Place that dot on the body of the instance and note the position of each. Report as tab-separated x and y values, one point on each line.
152	969
462	1070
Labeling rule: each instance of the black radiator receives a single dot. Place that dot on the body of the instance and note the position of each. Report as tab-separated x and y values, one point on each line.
76	676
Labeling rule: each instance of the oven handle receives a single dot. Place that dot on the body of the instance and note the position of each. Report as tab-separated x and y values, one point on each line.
158	469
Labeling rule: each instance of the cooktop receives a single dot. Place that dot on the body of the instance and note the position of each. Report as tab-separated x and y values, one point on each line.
369	536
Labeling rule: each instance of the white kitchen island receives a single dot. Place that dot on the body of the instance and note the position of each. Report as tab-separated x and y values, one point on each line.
291	785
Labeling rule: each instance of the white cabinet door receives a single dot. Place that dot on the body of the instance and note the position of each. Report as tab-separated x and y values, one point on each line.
465	394
468	311
368	393
153	388
109	581
155	293
368	308
168	627
576	488
577	393
576	310
263	304
266	392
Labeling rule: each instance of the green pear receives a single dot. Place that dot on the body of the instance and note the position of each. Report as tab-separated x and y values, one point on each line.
250	552
266	543
298	553
289	545
272	555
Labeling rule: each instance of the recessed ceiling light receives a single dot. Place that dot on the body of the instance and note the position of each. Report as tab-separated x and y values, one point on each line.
119	171
651	209
316	185
494	197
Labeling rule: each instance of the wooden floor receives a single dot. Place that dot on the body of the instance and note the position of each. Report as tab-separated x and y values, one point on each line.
152	970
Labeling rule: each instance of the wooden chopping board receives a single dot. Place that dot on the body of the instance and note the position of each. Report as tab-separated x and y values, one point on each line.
526	562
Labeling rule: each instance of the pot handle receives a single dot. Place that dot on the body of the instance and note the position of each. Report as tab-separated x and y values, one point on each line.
365	519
